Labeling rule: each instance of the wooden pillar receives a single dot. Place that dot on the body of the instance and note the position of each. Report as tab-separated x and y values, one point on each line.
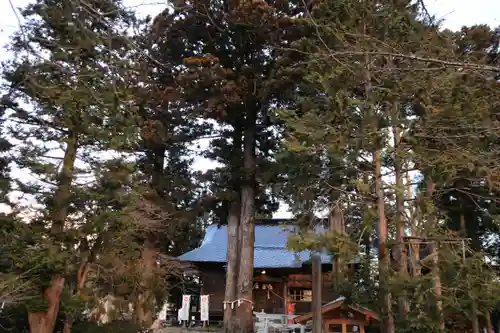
316	294
344	328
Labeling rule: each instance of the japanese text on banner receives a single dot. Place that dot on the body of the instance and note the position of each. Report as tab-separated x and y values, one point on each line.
204	301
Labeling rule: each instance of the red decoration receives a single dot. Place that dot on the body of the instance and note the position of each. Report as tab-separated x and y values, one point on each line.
290	310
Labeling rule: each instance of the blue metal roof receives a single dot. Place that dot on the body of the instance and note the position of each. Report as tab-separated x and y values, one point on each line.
270	248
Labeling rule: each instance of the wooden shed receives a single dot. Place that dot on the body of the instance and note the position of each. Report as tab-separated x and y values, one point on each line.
339	317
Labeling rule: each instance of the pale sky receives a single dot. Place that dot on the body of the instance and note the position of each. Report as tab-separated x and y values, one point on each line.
456	13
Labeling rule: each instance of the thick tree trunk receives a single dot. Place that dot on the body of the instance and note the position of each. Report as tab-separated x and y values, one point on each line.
383	256
434	254
234	236
401	255
59	211
367	272
337	226
245	276
44	322
232	269
367	240
436	278
143	309
474	318
474	310
416	268
489	325
157	161
144	303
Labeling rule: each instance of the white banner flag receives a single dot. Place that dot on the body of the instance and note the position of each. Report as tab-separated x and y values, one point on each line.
204	301
184	311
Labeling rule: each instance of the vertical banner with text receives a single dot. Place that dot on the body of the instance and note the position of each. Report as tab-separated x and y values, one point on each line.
186	303
204	301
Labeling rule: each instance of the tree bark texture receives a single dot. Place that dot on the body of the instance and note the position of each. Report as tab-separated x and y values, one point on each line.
383	255
434	254
144	304
44	322
401	255
367	240
234	235
59	211
414	247
337	226
244	311
489	324
474	310
474	318
232	269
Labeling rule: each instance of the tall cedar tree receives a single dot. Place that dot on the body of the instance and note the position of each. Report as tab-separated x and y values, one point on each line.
166	132
228	56
65	92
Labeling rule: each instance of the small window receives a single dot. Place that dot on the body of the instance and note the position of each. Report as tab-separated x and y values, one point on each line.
307	295
335	328
300	295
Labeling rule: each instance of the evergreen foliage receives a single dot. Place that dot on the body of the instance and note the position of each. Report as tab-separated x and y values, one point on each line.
365	112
